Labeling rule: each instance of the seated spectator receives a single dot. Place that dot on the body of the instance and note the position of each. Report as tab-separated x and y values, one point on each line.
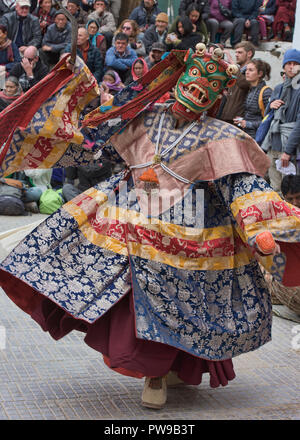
157	31
88	176
184	36
145	14
107	24
90	54
245	14
23	28
218	22
120	57
57	36
266	17
9	53
155	54
6	6
45	13
193	12
12	91
257	97
114	7
110	86
73	6
30	70
284	20
138	69
130	28
95	37
202	7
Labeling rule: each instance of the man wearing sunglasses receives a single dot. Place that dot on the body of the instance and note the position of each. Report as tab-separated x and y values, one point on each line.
30	70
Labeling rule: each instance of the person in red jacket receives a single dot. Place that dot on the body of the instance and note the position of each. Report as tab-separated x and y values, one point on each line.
284	20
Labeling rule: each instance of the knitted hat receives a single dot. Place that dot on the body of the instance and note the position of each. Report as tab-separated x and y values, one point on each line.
162	16
291	55
76	2
60	11
158	46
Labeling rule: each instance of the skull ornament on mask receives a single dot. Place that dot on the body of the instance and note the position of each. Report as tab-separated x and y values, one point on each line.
205	78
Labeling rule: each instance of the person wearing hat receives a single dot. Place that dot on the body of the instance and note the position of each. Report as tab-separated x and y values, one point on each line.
73	6
156	52
23	28
157	32
145	14
283	137
57	36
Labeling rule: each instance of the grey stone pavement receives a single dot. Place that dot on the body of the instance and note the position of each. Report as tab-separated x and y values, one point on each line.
43	379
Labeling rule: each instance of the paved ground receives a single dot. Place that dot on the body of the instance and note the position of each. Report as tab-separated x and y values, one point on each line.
42	379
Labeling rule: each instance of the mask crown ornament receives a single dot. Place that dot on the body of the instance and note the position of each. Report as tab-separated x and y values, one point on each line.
217	54
232	69
200	49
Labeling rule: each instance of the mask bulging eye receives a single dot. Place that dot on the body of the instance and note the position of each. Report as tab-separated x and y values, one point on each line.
211	68
215	84
194	72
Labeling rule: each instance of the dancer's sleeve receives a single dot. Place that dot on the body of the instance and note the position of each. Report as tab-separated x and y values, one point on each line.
255	208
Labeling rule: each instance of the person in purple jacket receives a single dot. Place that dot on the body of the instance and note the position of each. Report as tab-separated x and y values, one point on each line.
218	21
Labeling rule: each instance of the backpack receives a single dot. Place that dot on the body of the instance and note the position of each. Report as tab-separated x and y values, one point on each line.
11	192
50	201
261	101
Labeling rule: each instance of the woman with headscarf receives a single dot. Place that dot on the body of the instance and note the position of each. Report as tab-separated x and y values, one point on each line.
110	85
138	69
12	91
95	37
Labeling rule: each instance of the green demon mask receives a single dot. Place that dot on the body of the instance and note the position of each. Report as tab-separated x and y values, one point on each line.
205	78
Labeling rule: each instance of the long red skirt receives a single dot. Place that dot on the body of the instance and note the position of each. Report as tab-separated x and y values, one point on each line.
113	335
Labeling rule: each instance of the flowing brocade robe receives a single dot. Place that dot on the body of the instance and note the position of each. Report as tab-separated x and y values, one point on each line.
195	281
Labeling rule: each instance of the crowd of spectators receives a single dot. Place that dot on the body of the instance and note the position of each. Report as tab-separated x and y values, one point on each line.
35	34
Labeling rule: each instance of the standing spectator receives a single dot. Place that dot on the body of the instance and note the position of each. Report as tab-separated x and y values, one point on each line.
203	7
283	137
217	21
266	17
95	37
156	52
131	28
23	28
45	13
145	14
284	19
245	13
57	37
12	91
257	98
120	57
193	12
185	37
107	24
236	96
156	32
73	6
9	53
30	70
89	53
